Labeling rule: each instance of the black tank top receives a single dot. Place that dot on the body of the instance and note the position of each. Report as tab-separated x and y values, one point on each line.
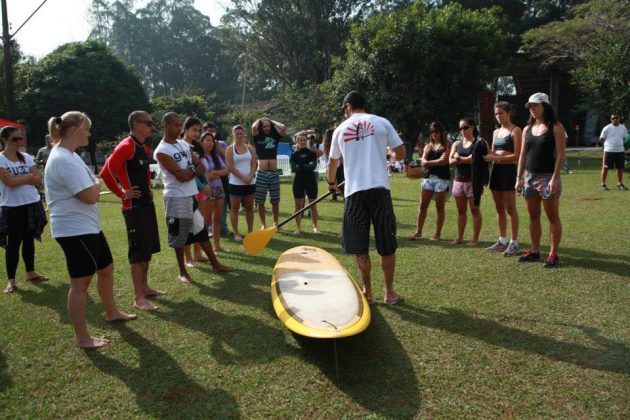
137	168
504	143
464	171
540	152
439	171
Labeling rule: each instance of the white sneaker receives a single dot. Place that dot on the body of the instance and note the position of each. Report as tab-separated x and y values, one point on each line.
512	249
497	247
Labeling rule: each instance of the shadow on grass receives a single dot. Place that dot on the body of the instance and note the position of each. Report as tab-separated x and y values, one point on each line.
55	297
238	339
591	260
612	357
237	290
374	369
5	378
161	387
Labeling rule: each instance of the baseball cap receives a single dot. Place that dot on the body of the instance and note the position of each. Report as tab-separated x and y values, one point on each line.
537	98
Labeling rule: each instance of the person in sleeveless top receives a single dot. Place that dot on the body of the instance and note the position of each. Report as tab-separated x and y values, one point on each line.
241	161
538	175
462	158
436	179
506	149
216	168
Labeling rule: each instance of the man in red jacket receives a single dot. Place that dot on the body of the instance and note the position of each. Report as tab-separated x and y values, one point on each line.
126	173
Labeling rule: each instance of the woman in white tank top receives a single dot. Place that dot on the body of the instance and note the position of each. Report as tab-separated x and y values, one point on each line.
242	163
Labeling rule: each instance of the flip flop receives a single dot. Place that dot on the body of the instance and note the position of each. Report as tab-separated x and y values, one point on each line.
392	302
37	279
10	289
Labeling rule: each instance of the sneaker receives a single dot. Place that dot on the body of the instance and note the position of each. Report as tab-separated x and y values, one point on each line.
529	256
604	187
621	187
512	249
552	261
497	247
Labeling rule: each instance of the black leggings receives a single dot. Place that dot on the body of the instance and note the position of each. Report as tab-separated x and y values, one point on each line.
19	234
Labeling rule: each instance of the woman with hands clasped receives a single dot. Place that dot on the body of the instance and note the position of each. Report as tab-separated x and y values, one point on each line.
506	149
436	179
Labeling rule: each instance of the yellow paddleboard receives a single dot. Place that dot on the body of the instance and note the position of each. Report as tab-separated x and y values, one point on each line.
314	296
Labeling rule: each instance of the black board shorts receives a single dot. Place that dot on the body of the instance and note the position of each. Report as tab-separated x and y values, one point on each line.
86	254
142	233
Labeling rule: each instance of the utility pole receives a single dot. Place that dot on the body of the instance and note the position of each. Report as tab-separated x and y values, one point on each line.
9	96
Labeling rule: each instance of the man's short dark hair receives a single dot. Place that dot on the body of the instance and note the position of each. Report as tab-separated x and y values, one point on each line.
355	99
169	117
135	116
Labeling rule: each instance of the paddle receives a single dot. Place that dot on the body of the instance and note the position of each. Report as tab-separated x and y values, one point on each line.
256	241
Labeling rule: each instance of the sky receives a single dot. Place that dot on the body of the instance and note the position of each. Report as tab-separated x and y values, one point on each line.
62	21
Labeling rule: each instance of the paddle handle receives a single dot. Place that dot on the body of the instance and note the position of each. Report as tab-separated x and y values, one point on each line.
303	209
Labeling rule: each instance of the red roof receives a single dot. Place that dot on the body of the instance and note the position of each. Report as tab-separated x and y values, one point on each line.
4	122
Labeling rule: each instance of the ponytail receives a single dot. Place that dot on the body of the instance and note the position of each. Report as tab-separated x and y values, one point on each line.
58	126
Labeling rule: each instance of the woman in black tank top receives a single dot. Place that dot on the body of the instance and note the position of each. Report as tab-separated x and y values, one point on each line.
436	180
462	157
538	176
506	148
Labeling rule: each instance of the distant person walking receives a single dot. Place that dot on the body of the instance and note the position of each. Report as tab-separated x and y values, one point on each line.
612	137
538	175
72	193
504	154
126	174
362	140
22	216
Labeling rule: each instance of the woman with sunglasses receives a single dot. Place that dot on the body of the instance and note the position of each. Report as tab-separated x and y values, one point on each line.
22	217
538	175
72	194
506	149
463	190
436	179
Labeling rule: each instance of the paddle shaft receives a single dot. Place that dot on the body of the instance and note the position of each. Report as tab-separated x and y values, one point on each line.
303	209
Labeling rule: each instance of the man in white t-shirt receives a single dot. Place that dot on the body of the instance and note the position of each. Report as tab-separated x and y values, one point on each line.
612	137
362	140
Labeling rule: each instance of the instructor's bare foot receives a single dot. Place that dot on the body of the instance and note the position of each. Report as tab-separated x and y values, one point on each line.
121	316
184	278
92	343
220	268
369	296
145	305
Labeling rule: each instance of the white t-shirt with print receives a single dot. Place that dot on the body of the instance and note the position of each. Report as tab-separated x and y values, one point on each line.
65	176
614	137
23	194
362	140
182	154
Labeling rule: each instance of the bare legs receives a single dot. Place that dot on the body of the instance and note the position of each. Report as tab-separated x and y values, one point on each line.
139	277
299	204
235	203
77	297
275	211
535	230
552	210
388	265
215	210
425	200
462	203
505	202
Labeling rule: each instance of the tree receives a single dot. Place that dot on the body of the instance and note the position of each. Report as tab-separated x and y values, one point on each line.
595	45
81	76
16	59
421	64
170	43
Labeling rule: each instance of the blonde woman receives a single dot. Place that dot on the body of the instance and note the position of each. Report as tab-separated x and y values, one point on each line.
72	192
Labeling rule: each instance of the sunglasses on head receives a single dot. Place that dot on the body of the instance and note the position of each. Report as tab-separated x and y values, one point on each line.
464	127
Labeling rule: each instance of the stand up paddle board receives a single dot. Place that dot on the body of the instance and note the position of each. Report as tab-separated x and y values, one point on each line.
314	296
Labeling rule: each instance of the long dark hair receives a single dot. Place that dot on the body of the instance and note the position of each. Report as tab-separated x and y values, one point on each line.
274	131
5	133
437	126
213	153
327	140
471	123
549	116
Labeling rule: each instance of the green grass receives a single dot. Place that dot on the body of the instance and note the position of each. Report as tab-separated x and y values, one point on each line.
477	334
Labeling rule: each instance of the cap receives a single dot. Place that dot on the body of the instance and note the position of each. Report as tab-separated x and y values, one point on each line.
537	98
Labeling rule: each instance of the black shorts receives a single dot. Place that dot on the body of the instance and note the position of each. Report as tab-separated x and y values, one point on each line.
503	177
86	254
242	190
142	233
361	208
302	186
614	160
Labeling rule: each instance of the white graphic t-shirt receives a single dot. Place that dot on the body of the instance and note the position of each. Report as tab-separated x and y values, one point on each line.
181	153
362	140
23	194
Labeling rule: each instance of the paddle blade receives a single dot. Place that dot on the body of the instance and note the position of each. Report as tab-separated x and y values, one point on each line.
256	241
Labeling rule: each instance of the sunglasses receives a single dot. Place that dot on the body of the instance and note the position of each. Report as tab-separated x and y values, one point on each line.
614	118
148	122
464	127
17	138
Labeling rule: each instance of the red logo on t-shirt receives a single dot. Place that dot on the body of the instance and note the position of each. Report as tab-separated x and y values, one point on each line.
359	130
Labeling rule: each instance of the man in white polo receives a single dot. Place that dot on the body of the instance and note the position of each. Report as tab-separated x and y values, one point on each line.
612	138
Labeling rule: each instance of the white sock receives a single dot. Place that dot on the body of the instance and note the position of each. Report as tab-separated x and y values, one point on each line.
515	242
503	240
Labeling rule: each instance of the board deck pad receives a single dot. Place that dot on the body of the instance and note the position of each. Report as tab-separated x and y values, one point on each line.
315	296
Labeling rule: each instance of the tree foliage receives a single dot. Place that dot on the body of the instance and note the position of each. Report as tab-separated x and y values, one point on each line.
171	44
421	64
81	76
595	44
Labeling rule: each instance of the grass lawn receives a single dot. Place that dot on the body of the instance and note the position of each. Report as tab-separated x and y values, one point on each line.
477	334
